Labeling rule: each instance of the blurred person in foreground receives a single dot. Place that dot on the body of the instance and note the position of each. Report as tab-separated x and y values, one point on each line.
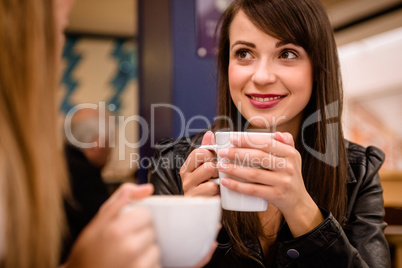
87	151
32	174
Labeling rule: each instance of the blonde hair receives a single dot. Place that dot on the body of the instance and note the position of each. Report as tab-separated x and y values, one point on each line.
32	176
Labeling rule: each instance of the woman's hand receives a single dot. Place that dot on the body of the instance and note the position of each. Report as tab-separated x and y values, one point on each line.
273	166
198	168
116	239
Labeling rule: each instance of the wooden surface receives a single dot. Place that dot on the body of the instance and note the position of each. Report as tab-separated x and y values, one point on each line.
392	184
104	17
393	233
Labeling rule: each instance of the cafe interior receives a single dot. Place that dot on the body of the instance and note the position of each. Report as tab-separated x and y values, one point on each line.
131	54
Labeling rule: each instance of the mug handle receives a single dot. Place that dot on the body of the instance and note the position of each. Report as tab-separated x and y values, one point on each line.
212	148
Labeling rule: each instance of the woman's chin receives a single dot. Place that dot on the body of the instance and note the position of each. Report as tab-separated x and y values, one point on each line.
261	125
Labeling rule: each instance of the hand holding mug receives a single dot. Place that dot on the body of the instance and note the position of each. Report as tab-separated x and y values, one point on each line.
116	239
276	175
233	200
198	168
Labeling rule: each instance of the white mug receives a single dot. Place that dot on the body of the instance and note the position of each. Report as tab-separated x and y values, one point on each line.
186	227
232	200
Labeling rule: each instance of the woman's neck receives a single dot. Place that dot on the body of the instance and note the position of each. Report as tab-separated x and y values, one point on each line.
293	127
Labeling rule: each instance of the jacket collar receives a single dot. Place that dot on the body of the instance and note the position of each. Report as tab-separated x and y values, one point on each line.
351	178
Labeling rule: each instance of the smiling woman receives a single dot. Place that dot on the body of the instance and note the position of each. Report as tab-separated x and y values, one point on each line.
268	78
279	72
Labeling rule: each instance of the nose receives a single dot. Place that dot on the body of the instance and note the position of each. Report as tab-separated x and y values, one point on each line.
263	73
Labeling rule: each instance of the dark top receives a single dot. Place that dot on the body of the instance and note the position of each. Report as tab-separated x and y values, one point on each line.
88	194
360	242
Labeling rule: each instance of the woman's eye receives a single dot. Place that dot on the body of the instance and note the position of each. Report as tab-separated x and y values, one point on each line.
243	54
288	55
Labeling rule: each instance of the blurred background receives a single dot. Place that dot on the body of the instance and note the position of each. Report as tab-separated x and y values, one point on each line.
133	54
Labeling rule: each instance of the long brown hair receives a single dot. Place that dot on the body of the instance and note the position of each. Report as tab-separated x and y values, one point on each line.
303	23
32	174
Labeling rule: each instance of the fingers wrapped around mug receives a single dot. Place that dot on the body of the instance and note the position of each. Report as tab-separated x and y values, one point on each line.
118	237
199	167
278	143
251	158
272	172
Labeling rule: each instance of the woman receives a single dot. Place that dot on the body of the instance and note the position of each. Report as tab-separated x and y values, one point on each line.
279	71
32	172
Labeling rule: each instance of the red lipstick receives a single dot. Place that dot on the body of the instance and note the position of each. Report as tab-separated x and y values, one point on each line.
265	101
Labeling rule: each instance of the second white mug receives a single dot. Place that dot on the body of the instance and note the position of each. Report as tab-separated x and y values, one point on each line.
186	227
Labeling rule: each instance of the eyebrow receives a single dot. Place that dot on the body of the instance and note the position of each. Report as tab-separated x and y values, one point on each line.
240	42
281	43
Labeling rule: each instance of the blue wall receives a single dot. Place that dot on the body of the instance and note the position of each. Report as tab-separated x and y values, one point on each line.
194	78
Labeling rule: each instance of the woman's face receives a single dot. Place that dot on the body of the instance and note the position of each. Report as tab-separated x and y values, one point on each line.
270	82
61	12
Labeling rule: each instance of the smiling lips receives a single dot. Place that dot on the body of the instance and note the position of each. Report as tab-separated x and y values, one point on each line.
264	101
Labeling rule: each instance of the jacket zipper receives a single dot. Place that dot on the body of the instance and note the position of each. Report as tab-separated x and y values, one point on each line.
258	261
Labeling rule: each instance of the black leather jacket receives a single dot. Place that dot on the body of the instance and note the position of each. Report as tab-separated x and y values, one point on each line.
360	242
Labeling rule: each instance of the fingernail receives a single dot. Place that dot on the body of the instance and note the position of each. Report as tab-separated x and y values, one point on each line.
145	186
225	182
278	135
223	152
